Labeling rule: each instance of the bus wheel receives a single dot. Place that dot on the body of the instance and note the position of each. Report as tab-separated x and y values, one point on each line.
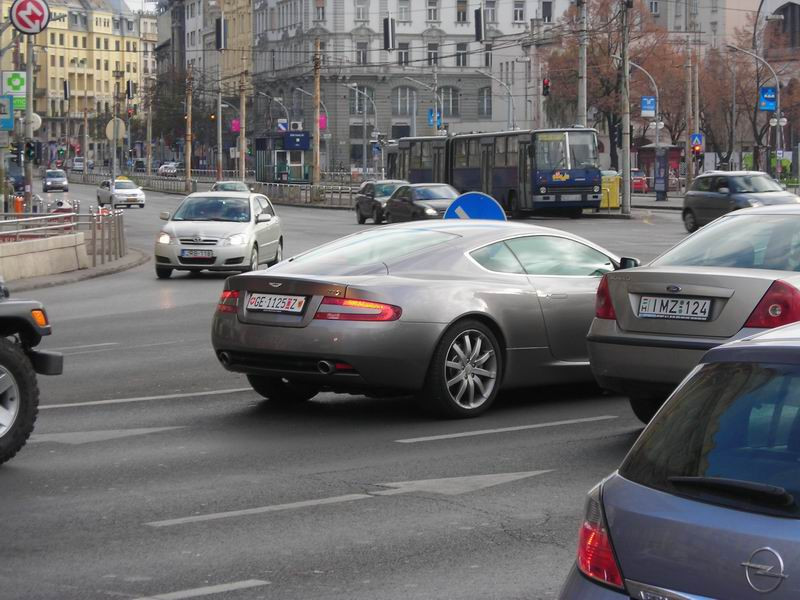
516	211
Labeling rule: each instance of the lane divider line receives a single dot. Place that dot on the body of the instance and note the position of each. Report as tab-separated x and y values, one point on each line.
146	398
208	590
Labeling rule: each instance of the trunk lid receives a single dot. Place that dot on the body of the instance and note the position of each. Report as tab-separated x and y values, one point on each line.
732	294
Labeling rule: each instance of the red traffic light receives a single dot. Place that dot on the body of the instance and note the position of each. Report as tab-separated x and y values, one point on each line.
545	87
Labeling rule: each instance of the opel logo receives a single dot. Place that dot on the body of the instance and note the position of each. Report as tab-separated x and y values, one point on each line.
764	570
674	289
275	284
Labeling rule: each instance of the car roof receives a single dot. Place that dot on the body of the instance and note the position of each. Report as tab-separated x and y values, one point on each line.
739	173
779	345
221	194
229	181
401	181
774	209
422	185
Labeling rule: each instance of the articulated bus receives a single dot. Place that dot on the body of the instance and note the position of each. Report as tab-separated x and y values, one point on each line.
552	170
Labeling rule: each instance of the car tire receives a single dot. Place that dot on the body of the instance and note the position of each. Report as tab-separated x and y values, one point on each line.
22	396
278	389
141	206
376	216
513	203
690	221
253	264
575	213
645	407
66	189
360	219
388	217
473	372
163	272
278	254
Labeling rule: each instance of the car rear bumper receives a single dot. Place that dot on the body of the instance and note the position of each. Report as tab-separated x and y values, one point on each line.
387	355
579	587
640	364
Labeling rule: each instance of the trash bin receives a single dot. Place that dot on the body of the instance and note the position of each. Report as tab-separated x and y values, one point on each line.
611	187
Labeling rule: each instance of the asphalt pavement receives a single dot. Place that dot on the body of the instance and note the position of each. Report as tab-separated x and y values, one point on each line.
154	473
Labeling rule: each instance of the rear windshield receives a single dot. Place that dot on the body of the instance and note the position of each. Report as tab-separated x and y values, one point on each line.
743	241
737	421
368	248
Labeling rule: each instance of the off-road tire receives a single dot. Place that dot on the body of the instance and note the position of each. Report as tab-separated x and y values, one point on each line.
13	359
278	389
360	219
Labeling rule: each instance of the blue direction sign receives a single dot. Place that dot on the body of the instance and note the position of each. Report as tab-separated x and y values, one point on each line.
696	139
767	99
438	118
6	113
648	106
475	205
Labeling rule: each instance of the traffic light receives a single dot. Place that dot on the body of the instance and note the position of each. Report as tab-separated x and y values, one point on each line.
60	152
213	116
249	150
131	112
697	150
30	151
545	87
129	91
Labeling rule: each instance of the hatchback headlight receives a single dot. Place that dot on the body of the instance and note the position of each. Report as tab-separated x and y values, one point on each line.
164	238
430	211
238	239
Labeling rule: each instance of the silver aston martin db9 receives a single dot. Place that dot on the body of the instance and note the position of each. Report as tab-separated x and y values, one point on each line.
450	311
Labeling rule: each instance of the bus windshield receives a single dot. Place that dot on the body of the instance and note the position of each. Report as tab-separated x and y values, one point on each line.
582	150
565	150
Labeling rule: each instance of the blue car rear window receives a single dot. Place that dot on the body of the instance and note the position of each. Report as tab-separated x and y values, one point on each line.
732	421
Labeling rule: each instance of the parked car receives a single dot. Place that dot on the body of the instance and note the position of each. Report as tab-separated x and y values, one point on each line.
639	182
371	199
139	165
55	179
731	279
219	231
230	186
705	505
714	194
451	311
77	164
419	201
125	193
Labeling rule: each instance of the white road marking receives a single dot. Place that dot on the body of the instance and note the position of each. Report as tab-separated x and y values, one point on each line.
76	438
84	346
462	214
450	436
208	591
147	398
449	486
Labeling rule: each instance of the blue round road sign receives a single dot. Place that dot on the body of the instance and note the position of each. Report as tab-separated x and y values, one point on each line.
475	205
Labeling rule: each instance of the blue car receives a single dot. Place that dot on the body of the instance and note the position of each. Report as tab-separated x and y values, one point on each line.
707	503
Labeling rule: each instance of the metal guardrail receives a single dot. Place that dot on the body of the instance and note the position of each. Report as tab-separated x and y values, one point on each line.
337	196
104	230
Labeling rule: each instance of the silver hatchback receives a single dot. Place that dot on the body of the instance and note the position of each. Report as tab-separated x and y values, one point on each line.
219	231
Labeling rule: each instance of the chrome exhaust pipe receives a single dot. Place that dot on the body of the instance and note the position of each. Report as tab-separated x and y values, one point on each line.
326	367
225	358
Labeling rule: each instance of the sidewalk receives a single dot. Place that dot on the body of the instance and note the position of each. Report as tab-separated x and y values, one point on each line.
134	258
649	201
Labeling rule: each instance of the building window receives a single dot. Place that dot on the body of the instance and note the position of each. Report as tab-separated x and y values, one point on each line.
105	44
433	54
403	53
487	55
490	10
654	7
403	101
461	11
449	97
485	102
74	41
362	53
319	11
433	10
362	10
358	102
60	61
714	6
693	7
519	11
97	44
105	65
52	60
461	55
116	45
404	10
547	12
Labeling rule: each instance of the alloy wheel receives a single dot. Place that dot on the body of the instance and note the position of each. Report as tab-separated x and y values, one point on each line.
471	369
9	400
254	260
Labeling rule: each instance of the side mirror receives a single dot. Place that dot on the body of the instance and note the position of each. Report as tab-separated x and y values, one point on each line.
164	215
724	190
628	263
264	218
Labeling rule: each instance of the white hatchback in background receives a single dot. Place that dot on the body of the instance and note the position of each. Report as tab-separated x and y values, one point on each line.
125	193
219	231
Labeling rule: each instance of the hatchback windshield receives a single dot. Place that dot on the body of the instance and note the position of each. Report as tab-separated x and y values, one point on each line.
385	189
754	183
439	192
742	241
738	422
210	208
56	175
125	185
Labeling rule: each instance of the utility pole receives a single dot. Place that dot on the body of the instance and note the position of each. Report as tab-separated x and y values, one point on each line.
315	175
115	134
626	110
689	125
436	114
219	127
85	135
149	141
733	116
242	131
584	43
696	93
187	149
29	118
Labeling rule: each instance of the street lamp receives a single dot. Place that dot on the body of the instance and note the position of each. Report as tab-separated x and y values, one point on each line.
278	101
511	121
302	91
357	90
117	76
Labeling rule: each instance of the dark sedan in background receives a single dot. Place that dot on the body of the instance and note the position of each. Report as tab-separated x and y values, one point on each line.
715	193
419	201
372	197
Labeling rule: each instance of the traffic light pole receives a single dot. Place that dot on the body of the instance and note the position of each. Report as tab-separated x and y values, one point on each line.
626	110
29	119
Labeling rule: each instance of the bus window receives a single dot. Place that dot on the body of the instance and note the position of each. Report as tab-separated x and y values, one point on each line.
414	156
474	153
426	155
511	152
551	149
500	152
583	150
461	154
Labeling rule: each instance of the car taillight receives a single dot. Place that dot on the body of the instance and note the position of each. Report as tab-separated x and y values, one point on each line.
779	306
351	309
596	557
603	309
227	301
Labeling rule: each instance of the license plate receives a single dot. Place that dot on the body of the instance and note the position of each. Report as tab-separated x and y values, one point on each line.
197	253
276	303
570	197
688	309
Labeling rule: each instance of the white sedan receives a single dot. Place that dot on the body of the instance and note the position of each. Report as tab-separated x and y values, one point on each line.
125	193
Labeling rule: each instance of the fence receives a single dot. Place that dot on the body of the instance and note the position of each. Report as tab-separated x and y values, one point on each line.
333	196
104	231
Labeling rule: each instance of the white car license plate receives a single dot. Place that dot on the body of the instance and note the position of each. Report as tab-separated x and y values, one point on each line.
276	303
571	198
197	253
660	307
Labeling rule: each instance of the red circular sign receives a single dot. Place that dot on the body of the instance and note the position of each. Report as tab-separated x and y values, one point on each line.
30	16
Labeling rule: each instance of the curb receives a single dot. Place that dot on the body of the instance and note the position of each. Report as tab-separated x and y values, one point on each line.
657	207
134	259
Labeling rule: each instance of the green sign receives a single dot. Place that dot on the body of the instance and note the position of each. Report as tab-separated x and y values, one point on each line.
14	83
19	103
